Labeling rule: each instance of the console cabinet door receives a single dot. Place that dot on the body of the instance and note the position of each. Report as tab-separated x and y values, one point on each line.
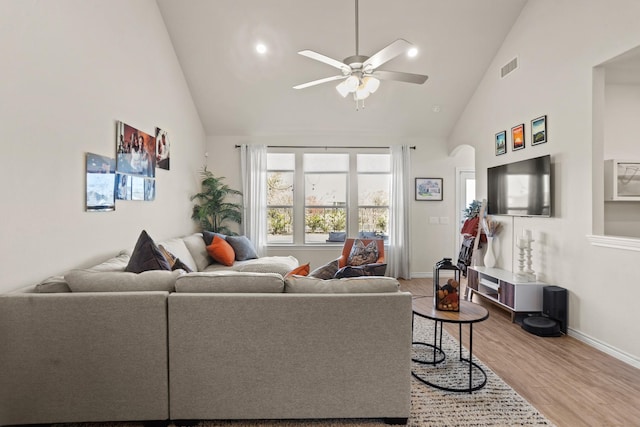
507	294
472	279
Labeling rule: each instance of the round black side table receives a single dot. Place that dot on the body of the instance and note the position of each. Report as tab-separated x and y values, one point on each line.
469	314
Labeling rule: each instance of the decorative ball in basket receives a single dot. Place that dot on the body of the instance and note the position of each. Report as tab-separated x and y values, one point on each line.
446	295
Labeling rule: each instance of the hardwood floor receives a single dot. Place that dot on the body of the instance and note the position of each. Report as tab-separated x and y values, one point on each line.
570	382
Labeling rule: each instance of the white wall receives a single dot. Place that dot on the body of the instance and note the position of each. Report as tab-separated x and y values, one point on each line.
430	242
70	70
558	42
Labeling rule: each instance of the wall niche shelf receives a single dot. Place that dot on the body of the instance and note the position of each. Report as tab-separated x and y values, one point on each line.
621	180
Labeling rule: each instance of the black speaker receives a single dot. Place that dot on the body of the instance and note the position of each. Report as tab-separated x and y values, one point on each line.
554	305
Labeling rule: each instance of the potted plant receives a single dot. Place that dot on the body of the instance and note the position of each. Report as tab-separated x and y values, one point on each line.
213	212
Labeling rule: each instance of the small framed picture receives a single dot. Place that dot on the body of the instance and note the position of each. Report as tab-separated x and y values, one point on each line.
517	136
539	130
501	142
429	189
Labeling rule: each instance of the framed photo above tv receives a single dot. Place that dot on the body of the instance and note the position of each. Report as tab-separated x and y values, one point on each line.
429	189
539	130
501	142
517	137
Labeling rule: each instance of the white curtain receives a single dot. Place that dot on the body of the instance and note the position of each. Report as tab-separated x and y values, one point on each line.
254	194
399	221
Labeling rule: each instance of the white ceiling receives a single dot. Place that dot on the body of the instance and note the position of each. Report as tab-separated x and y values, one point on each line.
238	92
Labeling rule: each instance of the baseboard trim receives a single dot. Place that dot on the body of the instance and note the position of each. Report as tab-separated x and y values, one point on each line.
423	275
606	348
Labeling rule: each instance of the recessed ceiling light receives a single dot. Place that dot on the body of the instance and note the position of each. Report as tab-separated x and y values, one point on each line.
412	52
261	48
436	109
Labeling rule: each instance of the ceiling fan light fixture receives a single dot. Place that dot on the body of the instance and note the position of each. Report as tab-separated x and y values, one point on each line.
361	93
343	89
371	84
352	83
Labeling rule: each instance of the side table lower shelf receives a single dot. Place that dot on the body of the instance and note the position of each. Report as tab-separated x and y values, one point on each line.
469	313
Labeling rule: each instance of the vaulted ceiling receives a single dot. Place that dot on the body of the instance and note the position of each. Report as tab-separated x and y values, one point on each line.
240	92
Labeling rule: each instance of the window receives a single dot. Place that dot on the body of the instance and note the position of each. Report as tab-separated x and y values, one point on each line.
280	179
374	183
319	198
325	195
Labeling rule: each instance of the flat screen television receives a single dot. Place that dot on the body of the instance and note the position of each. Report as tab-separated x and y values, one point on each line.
520	188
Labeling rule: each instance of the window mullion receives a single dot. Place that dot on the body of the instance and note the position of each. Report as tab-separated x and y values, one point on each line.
298	205
352	202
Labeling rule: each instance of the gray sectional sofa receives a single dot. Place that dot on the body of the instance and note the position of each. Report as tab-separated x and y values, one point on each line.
100	344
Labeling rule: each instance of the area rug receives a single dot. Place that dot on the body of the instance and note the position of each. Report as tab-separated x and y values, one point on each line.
496	404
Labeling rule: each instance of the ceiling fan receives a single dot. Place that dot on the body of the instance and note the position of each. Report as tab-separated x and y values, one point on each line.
360	74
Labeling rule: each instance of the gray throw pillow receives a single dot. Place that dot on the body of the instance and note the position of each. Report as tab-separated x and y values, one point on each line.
146	256
208	236
326	271
243	247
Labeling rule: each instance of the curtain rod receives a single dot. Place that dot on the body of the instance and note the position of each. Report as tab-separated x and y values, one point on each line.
413	147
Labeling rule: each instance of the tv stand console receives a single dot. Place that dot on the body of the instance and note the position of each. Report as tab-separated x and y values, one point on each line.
505	289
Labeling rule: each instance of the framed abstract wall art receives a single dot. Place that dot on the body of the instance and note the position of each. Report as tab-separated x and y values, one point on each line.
539	130
517	137
501	142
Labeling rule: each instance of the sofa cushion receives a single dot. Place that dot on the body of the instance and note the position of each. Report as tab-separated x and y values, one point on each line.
361	270
146	256
326	271
121	281
53	284
242	247
363	254
267	264
117	263
175	263
230	281
221	251
178	249
198	250
312	285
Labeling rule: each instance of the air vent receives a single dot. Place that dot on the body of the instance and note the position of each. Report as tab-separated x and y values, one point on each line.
510	67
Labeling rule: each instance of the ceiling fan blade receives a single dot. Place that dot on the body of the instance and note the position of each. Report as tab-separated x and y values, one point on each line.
386	54
400	77
317	82
320	57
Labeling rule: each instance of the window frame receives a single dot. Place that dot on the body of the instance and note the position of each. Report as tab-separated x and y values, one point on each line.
299	201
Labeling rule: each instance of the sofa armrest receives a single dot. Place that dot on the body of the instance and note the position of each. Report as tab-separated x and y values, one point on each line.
78	357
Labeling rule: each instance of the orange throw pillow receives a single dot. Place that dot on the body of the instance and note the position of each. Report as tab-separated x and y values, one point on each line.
302	270
221	251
